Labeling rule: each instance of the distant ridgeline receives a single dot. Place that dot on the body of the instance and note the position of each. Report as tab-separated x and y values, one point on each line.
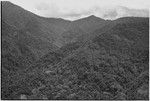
85	59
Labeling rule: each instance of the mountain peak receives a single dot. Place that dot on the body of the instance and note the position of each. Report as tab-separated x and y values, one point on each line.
92	16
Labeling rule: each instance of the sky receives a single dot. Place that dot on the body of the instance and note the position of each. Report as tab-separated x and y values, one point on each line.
76	9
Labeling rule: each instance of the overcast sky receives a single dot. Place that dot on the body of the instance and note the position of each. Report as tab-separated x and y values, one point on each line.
75	9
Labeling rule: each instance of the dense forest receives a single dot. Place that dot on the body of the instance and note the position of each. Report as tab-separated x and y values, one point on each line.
86	59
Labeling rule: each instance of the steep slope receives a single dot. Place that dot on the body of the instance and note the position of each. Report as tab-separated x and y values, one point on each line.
98	59
91	23
30	26
73	34
15	54
23	42
114	61
80	29
112	65
52	30
57	25
48	29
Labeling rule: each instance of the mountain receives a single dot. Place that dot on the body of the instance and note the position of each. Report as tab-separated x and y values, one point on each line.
41	35
24	41
35	34
52	29
14	51
113	64
90	23
86	59
80	29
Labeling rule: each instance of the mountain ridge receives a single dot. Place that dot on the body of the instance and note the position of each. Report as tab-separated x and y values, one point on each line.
86	59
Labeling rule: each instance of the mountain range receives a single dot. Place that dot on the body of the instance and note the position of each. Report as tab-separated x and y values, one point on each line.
86	59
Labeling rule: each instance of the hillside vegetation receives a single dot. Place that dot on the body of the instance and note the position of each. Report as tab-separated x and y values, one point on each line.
86	59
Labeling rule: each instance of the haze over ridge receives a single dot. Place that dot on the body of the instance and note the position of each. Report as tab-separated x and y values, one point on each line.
76	9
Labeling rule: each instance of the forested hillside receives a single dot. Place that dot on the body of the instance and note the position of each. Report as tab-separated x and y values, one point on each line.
86	59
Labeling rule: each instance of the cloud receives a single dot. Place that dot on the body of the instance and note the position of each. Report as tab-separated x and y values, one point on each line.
76	15
43	6
75	9
120	11
48	10
104	9
110	15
